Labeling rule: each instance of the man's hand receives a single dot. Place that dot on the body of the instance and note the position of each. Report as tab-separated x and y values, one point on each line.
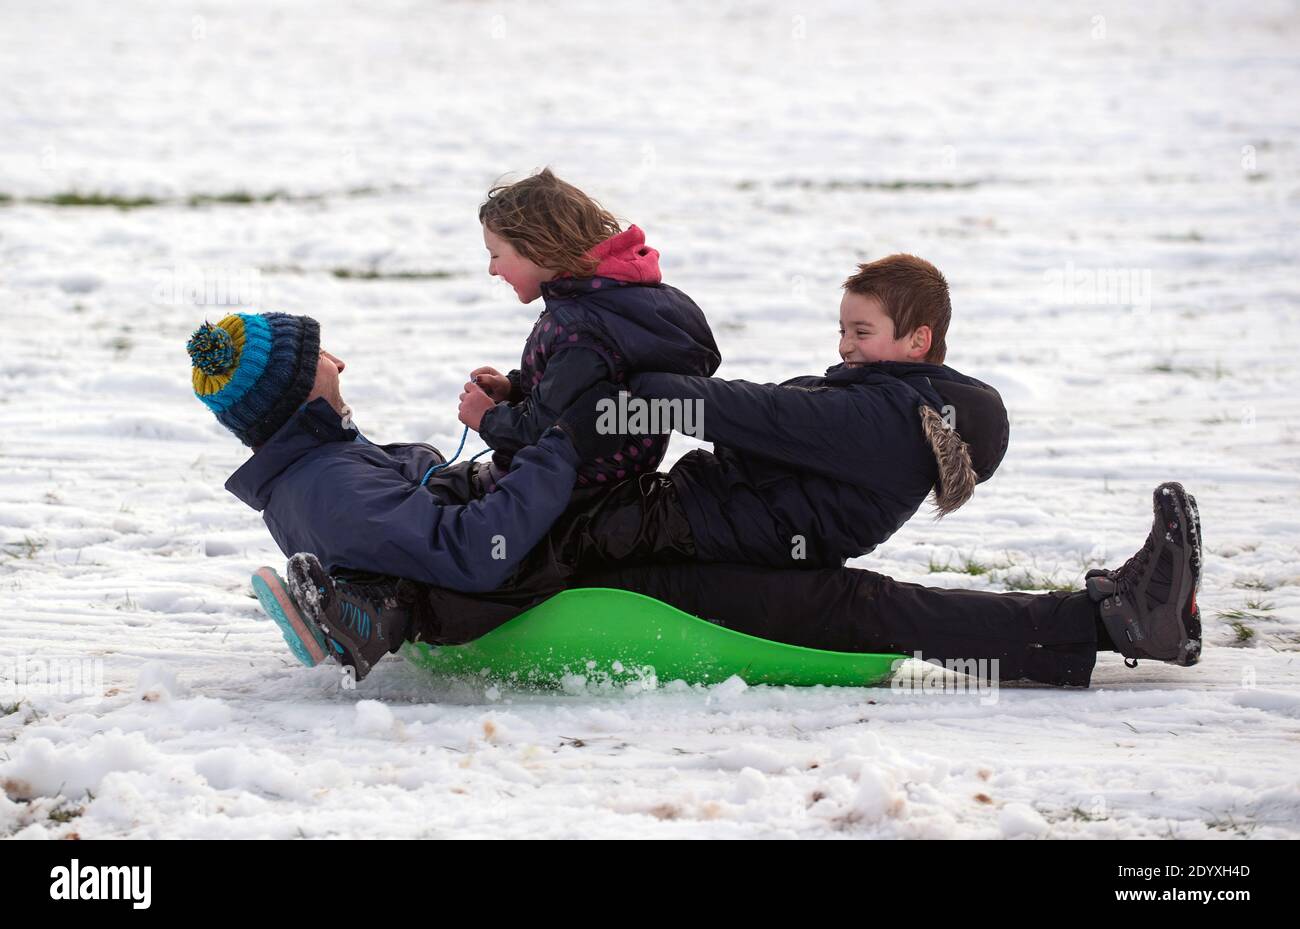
473	404
495	384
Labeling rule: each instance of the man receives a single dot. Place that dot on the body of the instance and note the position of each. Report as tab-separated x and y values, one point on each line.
322	487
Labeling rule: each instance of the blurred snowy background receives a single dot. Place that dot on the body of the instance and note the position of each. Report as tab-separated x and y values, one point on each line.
1111	189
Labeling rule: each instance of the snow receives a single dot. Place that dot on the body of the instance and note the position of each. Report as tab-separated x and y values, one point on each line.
765	150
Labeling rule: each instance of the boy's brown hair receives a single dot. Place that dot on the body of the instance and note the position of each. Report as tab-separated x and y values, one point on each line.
551	223
913	293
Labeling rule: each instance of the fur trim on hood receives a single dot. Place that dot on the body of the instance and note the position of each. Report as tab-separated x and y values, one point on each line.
957	477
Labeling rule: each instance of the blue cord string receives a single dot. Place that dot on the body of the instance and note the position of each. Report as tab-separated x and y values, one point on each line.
452	460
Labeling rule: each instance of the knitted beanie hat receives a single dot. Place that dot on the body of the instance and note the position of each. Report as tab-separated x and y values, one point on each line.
254	370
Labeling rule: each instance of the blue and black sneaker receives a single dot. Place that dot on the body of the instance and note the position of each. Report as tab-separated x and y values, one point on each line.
363	617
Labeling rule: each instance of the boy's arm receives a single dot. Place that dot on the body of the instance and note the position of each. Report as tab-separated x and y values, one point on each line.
824	431
509	427
354	515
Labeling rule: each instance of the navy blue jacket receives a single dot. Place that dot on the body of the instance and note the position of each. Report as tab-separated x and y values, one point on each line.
825	468
322	488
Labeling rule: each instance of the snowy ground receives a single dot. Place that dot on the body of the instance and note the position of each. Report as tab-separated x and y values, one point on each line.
765	149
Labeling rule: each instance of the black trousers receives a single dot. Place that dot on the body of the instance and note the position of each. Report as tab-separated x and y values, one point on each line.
1050	638
639	520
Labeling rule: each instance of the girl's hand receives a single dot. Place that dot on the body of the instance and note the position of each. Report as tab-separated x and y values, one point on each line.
495	384
473	404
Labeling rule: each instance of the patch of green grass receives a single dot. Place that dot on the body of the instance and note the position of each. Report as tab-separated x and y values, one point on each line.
245	198
1080	813
237	197
74	198
350	274
969	564
835	184
8	709
1229	823
1244	632
1025	579
1165	367
1251	583
1256	610
95	199
27	548
63	814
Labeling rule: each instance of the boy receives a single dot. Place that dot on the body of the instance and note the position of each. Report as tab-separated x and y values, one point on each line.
816	470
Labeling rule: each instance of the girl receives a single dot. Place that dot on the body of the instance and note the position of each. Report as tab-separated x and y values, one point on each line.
607	315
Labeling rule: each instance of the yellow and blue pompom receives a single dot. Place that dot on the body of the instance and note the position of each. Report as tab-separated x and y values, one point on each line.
217	352
211	350
252	370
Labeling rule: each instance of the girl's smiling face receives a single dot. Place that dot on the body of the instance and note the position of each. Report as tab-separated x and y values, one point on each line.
867	334
517	271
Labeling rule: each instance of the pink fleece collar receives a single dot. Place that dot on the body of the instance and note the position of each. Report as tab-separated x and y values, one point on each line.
626	257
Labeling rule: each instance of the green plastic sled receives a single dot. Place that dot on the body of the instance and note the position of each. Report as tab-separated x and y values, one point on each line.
617	635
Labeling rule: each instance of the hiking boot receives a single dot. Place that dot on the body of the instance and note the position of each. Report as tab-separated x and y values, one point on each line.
1148	605
363	616
301	635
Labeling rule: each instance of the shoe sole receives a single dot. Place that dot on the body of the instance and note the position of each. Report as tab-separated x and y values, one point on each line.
309	593
1194	527
302	637
1184	509
1198	566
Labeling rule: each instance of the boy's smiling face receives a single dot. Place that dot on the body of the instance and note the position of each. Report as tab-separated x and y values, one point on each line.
867	333
517	271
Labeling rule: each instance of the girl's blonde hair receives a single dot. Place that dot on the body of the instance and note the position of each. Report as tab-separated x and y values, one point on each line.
551	223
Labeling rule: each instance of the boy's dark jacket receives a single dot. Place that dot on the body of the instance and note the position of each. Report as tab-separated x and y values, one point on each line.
620	321
820	469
